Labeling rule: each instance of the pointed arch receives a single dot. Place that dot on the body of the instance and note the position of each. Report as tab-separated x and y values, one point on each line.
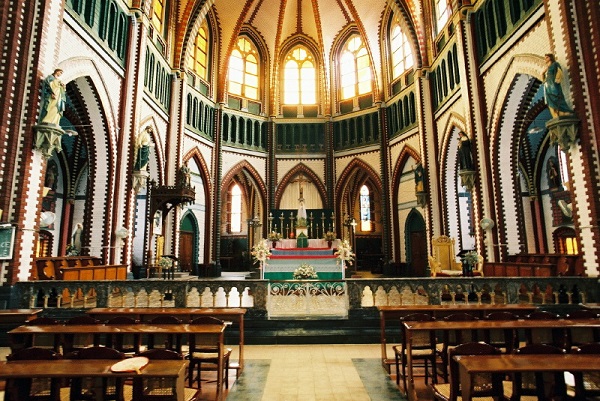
407	153
247	175
348	186
289	176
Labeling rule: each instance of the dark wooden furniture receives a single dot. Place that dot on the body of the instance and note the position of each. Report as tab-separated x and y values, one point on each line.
536	265
234	315
481	325
86	388
33	388
77	268
98	368
471	366
423	347
565	265
392	314
489	385
11	318
204	356
211	333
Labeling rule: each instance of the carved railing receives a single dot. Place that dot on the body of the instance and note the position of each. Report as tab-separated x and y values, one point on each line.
363	294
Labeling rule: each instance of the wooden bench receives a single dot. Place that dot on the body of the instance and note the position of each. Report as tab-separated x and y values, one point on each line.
518	269
565	265
77	268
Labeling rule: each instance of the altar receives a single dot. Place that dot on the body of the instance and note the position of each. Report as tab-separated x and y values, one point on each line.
312	243
284	261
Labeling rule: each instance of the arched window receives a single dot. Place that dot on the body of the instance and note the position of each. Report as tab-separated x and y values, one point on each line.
236	209
355	68
198	59
442	14
402	57
243	70
158	15
300	84
365	208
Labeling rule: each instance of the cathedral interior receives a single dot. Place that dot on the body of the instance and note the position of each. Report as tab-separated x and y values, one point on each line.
135	129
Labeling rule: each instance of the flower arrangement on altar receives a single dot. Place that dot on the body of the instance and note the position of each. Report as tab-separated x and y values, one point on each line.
329	236
261	251
274	236
344	252
471	258
305	272
164	263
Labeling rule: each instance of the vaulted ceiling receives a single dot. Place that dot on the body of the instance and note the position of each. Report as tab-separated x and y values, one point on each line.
321	21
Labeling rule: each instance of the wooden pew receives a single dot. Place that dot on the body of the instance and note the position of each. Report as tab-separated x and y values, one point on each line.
518	269
77	268
565	265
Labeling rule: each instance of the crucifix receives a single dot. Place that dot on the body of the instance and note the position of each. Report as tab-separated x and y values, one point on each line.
301	180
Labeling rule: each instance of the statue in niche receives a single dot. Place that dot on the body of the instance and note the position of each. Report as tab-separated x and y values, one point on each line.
553	92
54	99
552	173
419	172
142	149
465	156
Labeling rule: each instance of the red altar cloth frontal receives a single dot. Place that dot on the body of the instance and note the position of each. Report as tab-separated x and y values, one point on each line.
302	257
304	249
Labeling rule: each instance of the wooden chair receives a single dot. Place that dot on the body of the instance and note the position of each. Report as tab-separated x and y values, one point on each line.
587	384
159	389
577	336
204	356
128	343
485	385
166	341
40	340
453	338
87	388
555	336
36	389
506	339
423	347
75	342
540	385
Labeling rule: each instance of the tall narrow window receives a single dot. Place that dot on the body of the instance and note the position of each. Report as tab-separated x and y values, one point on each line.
243	70
198	59
299	78
402	57
158	15
236	209
365	209
355	69
442	14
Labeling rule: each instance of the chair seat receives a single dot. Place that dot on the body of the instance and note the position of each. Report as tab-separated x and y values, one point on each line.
189	394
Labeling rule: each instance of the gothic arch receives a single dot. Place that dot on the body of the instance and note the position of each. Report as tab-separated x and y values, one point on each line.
406	154
348	185
286	180
247	174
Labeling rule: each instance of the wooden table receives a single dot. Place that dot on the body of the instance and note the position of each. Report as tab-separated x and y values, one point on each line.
213	332
18	315
70	368
511	363
441	325
234	315
387	313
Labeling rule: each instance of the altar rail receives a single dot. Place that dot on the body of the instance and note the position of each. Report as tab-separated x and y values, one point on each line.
363	294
